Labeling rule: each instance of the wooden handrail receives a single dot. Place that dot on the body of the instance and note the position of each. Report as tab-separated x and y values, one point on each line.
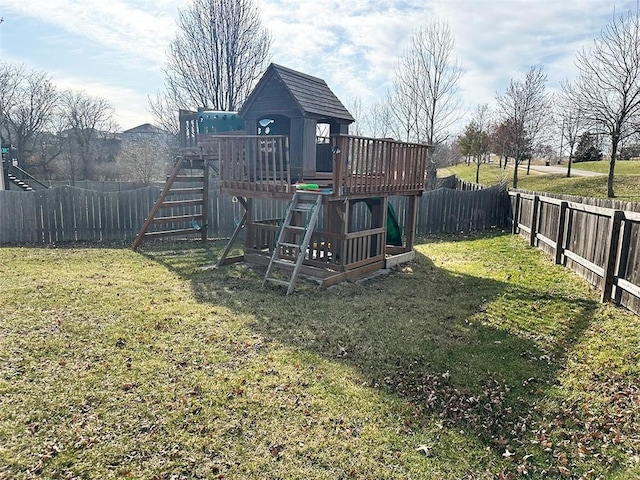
374	165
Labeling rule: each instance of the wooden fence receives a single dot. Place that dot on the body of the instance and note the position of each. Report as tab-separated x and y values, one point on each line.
454	211
596	238
68	214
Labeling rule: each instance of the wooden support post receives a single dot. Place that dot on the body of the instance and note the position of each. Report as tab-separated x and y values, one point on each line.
516	215
562	217
623	259
534	220
205	201
344	260
612	253
411	220
236	232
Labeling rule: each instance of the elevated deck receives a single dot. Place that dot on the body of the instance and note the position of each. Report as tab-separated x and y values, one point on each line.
351	238
259	166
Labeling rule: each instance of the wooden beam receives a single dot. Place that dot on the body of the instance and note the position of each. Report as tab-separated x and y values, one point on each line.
351	274
560	232
598	270
516	214
411	221
205	202
534	220
625	249
627	287
223	258
396	260
230	260
612	253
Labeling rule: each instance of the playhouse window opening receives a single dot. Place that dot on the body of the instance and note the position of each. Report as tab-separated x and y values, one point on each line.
323	133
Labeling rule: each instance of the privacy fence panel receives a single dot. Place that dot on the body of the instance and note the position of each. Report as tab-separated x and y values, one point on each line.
66	213
454	211
596	238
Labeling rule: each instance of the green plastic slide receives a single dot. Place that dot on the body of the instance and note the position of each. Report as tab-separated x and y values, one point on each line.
394	231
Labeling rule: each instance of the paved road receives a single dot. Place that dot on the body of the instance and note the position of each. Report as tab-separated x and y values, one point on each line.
562	169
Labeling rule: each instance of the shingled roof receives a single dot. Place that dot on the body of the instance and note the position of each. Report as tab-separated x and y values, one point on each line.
311	94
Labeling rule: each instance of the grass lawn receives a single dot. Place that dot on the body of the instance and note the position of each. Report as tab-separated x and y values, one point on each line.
626	183
481	359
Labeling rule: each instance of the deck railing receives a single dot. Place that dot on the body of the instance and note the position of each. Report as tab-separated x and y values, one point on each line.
188	129
373	165
361	166
254	163
333	250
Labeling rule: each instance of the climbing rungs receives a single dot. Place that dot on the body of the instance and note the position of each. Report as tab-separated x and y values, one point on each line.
290	245
284	263
182	203
186	191
166	233
193	210
188	178
282	257
177	218
192	165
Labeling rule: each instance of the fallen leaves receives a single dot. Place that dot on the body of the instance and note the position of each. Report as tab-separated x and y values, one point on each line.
544	441
425	450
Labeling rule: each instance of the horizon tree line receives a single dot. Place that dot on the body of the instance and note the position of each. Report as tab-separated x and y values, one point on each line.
221	48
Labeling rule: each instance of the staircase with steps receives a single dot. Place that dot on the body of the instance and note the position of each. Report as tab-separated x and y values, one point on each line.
16	181
23	180
293	239
182	204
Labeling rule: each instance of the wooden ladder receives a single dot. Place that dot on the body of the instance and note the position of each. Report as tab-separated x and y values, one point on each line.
293	238
190	202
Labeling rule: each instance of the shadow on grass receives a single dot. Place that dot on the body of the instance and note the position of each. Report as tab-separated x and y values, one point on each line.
472	352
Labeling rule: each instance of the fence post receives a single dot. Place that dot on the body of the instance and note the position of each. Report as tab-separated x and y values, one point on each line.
612	252
204	228
516	215
560	232
624	258
411	220
534	220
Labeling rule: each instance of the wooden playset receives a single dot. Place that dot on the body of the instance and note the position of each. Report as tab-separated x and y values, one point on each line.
338	223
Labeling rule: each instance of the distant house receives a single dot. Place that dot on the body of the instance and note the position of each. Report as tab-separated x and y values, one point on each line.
145	131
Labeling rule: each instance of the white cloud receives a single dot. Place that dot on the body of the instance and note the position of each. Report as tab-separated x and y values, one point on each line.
130	107
353	45
114	24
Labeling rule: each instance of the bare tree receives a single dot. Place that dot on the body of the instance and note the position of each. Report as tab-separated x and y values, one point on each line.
48	148
500	142
572	126
607	90
165	112
90	128
524	110
474	142
30	107
219	52
381	119
10	75
425	101
360	125
144	159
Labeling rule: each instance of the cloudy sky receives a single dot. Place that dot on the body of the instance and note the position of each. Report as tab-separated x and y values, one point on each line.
116	48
